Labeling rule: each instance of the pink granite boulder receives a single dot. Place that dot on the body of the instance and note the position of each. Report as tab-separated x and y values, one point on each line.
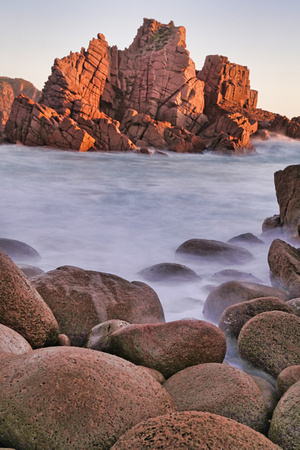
67	397
219	389
169	347
81	299
11	342
289	376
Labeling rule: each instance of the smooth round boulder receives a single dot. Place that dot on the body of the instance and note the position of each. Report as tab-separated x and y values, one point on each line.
233	292
169	272
285	424
289	376
192	430
271	341
70	397
169	347
294	303
11	342
18	251
216	250
268	393
234	317
23	309
81	299
234	275
30	271
219	389
284	263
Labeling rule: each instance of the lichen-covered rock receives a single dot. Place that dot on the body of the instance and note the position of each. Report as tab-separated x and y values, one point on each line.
271	341
289	376
285	424
219	389
64	397
193	430
233	292
169	347
211	249
22	308
81	299
284	263
11	342
234	317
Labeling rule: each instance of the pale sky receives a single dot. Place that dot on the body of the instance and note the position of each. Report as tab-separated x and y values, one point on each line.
263	35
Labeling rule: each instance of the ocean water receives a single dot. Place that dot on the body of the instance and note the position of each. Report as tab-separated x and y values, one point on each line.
120	213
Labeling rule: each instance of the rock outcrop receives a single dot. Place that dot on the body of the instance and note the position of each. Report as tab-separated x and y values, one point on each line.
11	88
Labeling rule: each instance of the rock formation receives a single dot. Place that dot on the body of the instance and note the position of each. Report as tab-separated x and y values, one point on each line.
148	95
9	89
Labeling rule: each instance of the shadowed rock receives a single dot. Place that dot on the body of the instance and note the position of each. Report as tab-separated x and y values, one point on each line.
18	251
11	342
192	429
219	389
289	376
245	238
233	292
64	397
169	272
211	249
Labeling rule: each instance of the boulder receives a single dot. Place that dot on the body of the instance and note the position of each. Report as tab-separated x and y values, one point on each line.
64	397
219	389
18	251
268	393
287	185
30	271
211	249
234	317
169	272
11	342
233	292
81	299
271	341
22	308
234	275
169	347
289	376
284	263
294	303
293	128
192	429
245	238
285	423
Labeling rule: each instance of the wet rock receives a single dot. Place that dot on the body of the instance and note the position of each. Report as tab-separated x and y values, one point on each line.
245	238
99	335
285	423
234	317
284	263
12	342
211	249
233	292
64	397
234	275
271	223
169	272
271	341
219	389
22	308
81	299
17	250
289	376
287	185
192	429
169	347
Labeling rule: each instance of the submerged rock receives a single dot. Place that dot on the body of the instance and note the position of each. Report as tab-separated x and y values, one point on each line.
18	251
169	272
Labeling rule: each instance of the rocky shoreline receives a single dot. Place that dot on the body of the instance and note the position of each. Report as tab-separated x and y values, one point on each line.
149	95
88	361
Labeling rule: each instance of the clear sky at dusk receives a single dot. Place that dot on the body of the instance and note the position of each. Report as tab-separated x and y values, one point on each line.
261	34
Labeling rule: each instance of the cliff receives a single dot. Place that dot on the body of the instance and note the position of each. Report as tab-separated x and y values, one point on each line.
148	95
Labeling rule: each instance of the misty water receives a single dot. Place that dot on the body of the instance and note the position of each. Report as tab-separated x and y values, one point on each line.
119	213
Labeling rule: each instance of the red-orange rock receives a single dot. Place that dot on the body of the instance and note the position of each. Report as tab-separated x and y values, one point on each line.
193	430
11	342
